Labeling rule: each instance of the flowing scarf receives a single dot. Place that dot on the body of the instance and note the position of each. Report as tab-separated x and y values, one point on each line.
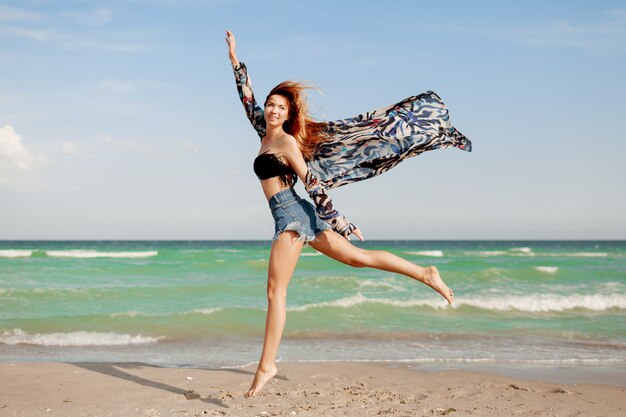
366	145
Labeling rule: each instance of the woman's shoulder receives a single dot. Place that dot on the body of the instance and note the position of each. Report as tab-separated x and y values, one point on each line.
287	141
288	146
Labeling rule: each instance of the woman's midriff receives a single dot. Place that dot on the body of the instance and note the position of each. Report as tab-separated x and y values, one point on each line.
271	186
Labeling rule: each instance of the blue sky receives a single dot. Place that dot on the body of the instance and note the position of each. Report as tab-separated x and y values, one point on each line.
120	119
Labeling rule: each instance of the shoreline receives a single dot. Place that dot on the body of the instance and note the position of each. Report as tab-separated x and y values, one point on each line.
552	373
300	388
546	361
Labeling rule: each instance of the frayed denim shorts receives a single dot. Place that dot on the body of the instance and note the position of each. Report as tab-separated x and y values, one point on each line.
290	212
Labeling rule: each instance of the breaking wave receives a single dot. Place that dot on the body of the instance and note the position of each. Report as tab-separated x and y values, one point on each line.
18	336
135	313
433	253
80	253
15	253
547	269
537	303
583	254
358	299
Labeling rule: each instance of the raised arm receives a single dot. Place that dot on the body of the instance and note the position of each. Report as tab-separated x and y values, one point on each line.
318	193
244	87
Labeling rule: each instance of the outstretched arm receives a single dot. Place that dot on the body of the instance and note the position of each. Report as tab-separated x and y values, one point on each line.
323	204
244	87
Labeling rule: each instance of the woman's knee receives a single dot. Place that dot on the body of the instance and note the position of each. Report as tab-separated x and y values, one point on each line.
276	292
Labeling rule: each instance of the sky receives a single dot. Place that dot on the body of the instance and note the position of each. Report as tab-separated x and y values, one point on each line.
120	119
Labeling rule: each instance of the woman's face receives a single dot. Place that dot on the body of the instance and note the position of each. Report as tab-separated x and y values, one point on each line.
276	110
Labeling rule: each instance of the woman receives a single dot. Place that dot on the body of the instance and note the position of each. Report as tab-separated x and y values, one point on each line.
289	141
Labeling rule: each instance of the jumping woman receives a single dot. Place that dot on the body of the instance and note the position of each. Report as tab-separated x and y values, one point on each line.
325	155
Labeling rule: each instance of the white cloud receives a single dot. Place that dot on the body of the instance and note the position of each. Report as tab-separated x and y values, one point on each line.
70	41
119	143
98	16
9	100
70	149
190	145
183	3
605	33
116	86
15	160
12	13
41	28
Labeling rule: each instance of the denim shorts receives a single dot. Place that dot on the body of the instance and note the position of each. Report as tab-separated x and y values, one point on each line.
290	212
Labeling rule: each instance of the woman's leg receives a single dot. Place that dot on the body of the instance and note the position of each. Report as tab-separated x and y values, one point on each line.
337	247
283	259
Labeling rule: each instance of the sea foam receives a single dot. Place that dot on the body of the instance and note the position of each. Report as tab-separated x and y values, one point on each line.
490	360
15	253
537	303
18	336
547	269
358	299
510	252
529	252
379	284
486	253
79	253
521	250
584	254
432	253
206	311
135	313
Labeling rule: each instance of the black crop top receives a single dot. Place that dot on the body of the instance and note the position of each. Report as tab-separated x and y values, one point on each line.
268	165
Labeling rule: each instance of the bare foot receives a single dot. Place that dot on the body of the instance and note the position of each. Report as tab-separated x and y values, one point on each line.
433	280
261	377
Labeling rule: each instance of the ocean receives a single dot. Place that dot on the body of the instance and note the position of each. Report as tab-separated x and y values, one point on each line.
555	304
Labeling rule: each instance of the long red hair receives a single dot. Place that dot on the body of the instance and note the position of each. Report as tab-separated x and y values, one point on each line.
307	132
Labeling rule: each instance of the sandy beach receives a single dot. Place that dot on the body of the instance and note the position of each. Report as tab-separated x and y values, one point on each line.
300	389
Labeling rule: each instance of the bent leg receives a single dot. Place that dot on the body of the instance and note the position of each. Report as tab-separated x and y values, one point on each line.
337	247
283	259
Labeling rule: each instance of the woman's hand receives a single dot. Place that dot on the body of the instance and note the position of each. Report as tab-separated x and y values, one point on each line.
230	40
357	233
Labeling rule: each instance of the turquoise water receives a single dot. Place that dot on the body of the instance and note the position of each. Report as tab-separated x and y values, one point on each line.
203	303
